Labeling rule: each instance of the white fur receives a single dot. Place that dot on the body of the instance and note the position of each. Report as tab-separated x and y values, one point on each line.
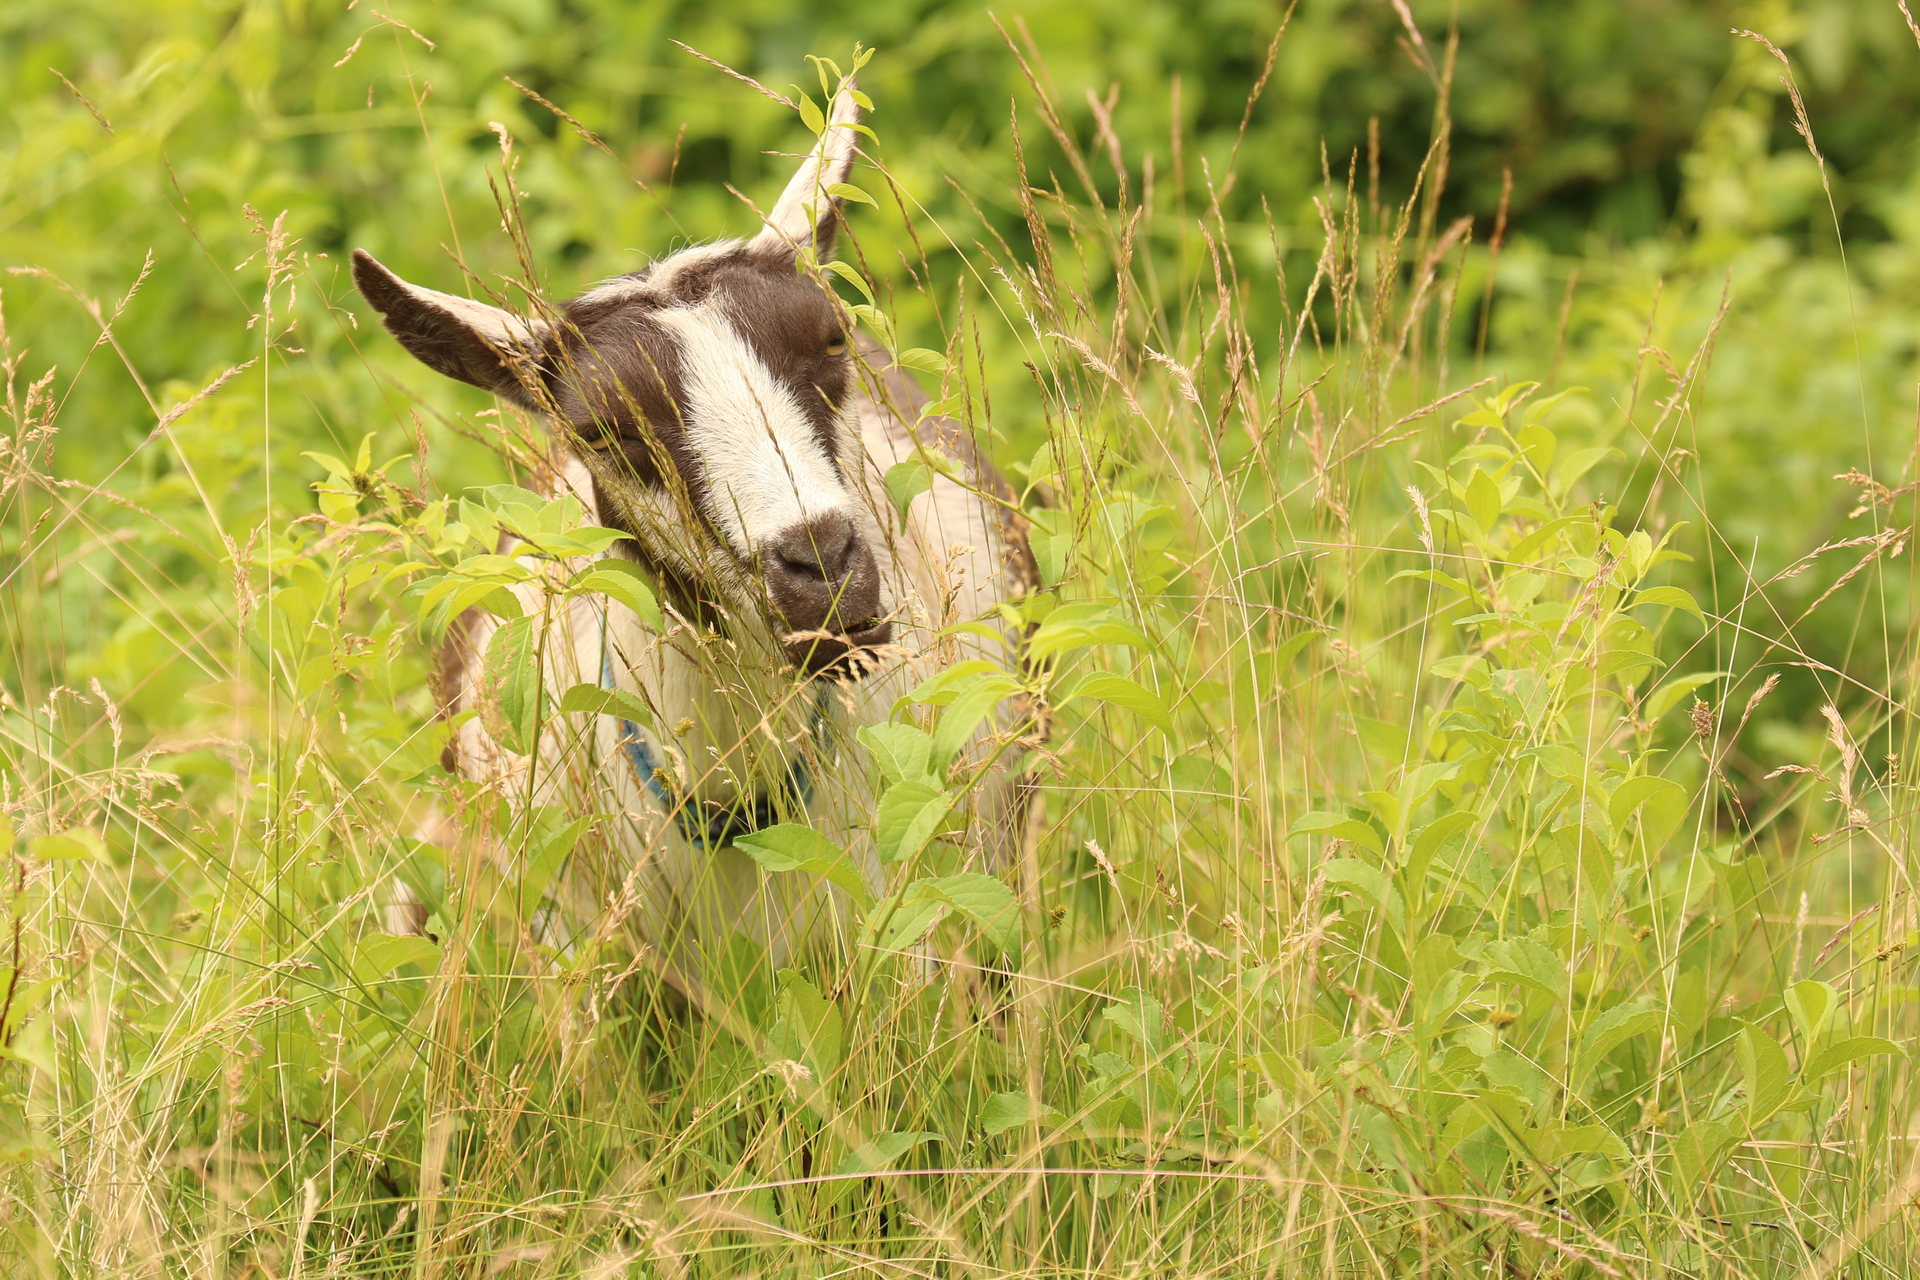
764	465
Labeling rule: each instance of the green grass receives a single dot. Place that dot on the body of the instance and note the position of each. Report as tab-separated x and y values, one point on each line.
1436	906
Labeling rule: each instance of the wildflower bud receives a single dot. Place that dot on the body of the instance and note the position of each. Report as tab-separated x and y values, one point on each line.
1702	719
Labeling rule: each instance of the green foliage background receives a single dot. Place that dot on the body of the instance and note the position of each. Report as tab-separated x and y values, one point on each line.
1661	204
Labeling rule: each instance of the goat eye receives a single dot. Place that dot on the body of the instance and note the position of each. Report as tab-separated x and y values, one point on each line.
837	345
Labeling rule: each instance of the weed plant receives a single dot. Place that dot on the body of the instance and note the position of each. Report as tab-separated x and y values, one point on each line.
1398	898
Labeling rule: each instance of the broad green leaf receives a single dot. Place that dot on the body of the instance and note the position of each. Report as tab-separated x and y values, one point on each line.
591	699
1662	805
806	1027
923	359
1528	963
903	919
1387	743
1127	694
626	582
1077	626
1338	826
902	752
1661	700
74	842
880	1151
1006	1111
380	954
906	481
907	817
1809	1002
847	191
1483	498
544	862
1141	1017
939	690
790	847
974	700
1556	1141
1575	465
1369	880
1672	597
1763	1064
513	669
1612	1029
810	115
1435	834
851	274
1843	1053
984	900
1696	1151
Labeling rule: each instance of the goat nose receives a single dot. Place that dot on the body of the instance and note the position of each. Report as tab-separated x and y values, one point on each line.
818	549
821	576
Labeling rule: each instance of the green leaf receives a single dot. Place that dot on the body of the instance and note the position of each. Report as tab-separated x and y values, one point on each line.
591	699
1006	1111
880	1151
846	271
1483	498
974	700
906	481
1369	880
1338	826
1575	465
1080	626
984	900
1662	804
1529	963
847	191
74	842
903	919
1052	555
902	752
1661	700
907	817
790	847
1612	1029
810	115
380	954
1139	1016
1696	1150
1127	694
1763	1064
626	582
806	1027
1845	1052
938	691
1672	597
513	668
6	835
1809	1002
923	359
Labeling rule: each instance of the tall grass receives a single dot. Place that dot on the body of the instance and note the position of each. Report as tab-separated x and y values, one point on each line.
1400	908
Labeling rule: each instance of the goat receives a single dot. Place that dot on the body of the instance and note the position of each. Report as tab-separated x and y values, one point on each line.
718	410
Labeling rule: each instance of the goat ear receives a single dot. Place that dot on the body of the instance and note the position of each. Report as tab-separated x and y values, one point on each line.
806	213
493	349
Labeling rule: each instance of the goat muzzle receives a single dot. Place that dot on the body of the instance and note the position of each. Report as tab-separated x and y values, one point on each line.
824	587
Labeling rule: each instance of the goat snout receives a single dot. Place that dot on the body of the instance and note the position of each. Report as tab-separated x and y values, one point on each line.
821	577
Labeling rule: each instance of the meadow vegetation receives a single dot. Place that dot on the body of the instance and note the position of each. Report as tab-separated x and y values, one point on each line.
1472	470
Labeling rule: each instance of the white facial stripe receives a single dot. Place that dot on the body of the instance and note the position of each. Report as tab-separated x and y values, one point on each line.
765	467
